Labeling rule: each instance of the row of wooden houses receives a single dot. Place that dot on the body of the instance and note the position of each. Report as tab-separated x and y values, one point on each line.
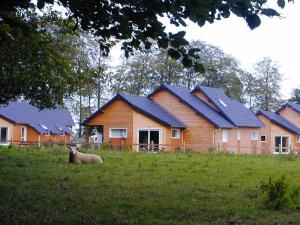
204	119
170	118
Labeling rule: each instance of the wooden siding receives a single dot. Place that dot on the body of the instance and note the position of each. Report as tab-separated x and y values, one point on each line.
5	123
199	131
291	115
116	115
205	99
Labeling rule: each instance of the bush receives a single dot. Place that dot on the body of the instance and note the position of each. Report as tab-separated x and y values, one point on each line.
278	196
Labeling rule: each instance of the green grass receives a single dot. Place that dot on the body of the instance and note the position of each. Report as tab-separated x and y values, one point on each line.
39	186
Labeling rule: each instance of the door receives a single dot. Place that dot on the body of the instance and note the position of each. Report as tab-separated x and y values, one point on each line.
282	145
149	139
3	135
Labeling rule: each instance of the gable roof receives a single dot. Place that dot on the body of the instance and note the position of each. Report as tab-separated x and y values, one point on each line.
294	106
196	104
231	109
280	121
146	107
55	120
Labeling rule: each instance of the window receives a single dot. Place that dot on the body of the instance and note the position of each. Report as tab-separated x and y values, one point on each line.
238	135
224	135
223	103
175	133
298	139
4	135
253	136
44	127
23	134
62	134
263	138
118	133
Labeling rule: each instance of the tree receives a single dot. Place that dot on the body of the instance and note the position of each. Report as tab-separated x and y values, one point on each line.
250	88
295	96
135	23
268	79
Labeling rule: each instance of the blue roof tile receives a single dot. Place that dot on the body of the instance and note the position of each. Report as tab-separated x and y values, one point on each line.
231	109
147	107
279	120
23	113
197	105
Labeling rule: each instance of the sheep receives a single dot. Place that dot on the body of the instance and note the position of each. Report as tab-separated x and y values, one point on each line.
77	157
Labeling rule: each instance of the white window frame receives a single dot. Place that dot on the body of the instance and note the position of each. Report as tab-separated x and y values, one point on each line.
255	136
238	134
118	128
225	136
177	133
298	139
265	138
148	130
24	138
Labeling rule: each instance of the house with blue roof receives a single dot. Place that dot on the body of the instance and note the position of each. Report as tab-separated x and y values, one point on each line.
279	136
281	133
201	120
22	123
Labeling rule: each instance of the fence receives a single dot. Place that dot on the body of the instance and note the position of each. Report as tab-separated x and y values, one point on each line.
165	147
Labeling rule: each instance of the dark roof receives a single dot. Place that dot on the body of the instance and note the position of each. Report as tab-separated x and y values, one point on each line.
280	121
294	106
196	104
231	109
55	120
146	107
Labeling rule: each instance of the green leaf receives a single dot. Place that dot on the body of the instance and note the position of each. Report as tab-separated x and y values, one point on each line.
174	54
198	67
253	21
187	61
270	12
281	3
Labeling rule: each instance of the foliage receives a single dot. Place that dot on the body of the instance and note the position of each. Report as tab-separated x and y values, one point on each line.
34	61
295	96
145	71
136	23
278	196
268	80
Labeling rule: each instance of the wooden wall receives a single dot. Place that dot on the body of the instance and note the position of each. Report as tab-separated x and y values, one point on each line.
291	115
199	130
205	99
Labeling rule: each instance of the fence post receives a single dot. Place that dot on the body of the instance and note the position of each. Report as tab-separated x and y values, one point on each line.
39	143
184	146
122	145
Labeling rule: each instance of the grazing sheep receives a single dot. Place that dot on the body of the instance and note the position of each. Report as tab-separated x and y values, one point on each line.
77	157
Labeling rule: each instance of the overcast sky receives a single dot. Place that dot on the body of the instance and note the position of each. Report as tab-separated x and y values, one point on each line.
276	38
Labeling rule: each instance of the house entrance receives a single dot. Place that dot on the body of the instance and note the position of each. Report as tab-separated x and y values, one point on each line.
3	135
282	144
148	139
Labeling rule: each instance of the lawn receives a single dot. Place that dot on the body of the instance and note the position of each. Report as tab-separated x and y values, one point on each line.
39	186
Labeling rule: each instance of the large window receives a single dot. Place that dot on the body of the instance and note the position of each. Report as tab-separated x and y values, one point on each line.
253	135
175	133
118	132
298	139
225	135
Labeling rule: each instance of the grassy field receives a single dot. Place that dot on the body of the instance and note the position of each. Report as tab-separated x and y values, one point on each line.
39	186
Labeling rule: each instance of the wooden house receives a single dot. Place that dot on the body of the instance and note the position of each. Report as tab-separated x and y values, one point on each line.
136	121
279	135
174	115
22	123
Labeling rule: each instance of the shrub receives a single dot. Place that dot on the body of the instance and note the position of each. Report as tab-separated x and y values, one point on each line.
278	196
126	148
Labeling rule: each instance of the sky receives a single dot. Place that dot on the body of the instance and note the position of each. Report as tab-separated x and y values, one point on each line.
276	38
